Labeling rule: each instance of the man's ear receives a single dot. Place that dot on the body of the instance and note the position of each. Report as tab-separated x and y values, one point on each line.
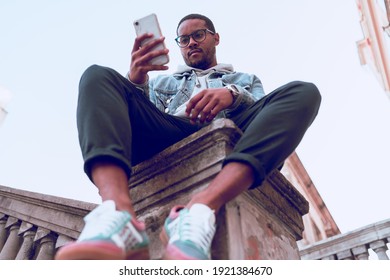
216	37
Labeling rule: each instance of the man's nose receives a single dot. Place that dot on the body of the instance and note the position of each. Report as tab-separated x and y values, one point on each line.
192	42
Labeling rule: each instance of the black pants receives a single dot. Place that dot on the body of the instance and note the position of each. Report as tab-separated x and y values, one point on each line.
117	122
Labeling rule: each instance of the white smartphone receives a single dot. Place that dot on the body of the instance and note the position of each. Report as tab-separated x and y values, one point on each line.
149	24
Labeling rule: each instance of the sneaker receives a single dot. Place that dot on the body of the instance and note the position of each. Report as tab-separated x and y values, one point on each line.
108	234
188	233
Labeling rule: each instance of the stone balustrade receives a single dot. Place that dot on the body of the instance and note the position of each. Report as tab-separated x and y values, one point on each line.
263	223
33	225
369	242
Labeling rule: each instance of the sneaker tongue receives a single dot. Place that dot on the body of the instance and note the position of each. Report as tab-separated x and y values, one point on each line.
201	210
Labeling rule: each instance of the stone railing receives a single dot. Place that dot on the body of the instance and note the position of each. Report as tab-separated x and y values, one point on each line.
263	223
33	225
369	242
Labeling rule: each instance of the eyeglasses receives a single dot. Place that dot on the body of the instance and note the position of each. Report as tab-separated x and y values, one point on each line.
198	36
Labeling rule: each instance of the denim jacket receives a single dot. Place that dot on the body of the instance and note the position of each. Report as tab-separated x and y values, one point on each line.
168	92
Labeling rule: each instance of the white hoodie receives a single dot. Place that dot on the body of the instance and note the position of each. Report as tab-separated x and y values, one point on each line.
201	81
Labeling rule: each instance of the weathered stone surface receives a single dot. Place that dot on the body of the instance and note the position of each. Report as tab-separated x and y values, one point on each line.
263	223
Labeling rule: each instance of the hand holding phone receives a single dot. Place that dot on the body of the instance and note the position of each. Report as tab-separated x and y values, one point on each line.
149	24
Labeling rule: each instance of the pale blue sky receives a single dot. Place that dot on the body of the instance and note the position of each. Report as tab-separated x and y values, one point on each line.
46	45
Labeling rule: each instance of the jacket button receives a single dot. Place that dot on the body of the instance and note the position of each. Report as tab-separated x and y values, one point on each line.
166	110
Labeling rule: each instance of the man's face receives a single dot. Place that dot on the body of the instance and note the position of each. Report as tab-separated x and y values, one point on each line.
199	55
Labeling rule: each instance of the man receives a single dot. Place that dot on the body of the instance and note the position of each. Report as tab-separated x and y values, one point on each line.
122	122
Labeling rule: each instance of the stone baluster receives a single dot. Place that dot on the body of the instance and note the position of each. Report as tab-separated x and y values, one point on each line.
380	249
330	257
345	255
63	240
46	241
3	231
26	251
360	252
12	245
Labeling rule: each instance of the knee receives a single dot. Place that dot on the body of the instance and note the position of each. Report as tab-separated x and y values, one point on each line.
308	93
99	80
93	75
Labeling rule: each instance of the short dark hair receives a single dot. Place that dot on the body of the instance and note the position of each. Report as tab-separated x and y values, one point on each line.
209	23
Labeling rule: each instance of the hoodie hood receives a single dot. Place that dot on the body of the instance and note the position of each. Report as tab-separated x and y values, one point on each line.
224	68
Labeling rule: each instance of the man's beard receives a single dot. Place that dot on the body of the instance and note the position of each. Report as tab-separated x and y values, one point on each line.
204	63
201	64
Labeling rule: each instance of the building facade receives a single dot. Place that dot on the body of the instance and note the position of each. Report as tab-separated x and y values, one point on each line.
374	48
319	223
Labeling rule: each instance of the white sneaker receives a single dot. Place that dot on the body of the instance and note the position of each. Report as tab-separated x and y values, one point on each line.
190	233
108	234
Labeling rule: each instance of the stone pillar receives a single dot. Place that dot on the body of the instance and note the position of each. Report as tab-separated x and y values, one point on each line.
46	241
329	258
26	251
62	240
261	224
361	252
380	249
345	255
3	231
264	223
12	245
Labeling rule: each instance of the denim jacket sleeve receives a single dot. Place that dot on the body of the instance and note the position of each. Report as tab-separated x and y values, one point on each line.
143	87
250	92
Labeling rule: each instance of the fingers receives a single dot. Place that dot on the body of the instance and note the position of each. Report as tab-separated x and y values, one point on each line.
204	107
205	115
138	41
207	104
195	106
145	46
142	54
193	102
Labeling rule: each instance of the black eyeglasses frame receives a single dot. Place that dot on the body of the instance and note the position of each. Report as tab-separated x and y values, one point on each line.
177	39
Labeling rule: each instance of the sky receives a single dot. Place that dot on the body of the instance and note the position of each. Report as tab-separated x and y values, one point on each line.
46	45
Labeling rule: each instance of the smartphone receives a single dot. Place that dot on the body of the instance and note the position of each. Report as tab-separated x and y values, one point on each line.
149	24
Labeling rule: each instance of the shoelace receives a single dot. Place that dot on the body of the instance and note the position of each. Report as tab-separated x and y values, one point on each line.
193	229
